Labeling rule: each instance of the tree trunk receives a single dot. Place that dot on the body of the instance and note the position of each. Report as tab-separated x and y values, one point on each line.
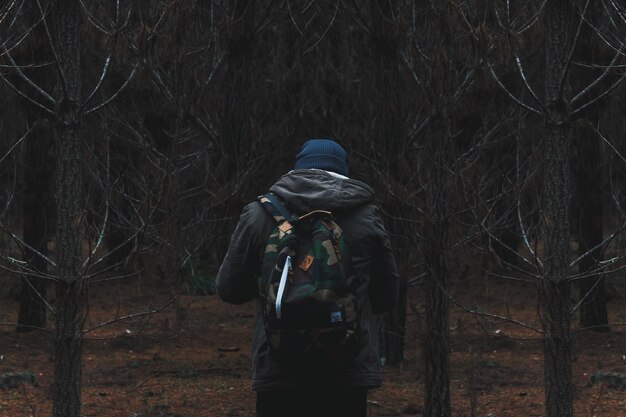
393	330
37	205
390	139
36	212
554	287
590	207
593	312
554	297
436	253
237	127
440	196
68	346
437	334
71	288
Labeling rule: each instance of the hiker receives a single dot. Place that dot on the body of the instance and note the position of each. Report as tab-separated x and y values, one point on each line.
330	373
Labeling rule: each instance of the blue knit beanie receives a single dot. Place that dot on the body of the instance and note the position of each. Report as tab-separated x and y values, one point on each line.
323	154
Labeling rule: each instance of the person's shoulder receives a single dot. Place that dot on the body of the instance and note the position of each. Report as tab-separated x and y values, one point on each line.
365	208
367	215
252	212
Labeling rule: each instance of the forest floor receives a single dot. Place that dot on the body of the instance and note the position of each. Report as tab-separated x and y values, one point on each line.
192	358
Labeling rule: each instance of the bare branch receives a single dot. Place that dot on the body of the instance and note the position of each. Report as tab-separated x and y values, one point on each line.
409	63
19	141
493	316
64	83
26	245
601	96
533	19
130	317
13	44
359	18
25	278
158	23
508	92
166	91
293	20
600	78
269	17
27	79
105	69
518	61
92	19
4	12
493	237
43	329
106	214
22	94
128	80
520	220
465	84
325	31
616	43
610	145
602	270
520	67
573	48
599	245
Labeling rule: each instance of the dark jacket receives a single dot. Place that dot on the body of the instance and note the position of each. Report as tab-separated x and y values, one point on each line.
352	204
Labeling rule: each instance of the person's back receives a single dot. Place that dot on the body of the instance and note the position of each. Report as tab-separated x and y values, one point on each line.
319	182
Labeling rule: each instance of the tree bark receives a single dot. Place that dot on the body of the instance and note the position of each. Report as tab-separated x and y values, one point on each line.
436	253
71	288
554	287
440	198
437	334
390	138
437	245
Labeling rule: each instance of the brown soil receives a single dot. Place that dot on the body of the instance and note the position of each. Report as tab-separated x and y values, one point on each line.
192	359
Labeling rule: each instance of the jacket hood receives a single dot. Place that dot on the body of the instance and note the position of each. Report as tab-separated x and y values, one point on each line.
305	190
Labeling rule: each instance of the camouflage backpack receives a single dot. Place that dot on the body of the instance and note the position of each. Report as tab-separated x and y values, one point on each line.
310	301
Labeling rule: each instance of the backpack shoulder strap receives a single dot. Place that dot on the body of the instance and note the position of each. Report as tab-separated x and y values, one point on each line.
275	208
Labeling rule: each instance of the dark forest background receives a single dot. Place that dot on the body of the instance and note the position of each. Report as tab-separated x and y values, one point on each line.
132	134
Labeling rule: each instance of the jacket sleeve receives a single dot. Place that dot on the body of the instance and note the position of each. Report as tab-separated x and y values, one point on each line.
236	279
385	281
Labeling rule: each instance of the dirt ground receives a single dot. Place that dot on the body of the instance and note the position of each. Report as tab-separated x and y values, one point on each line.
192	359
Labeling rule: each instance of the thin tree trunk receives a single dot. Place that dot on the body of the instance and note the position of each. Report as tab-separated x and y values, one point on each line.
440	199
71	289
390	136
588	177
37	206
392	333
554	288
436	243
593	312
238	106
36	209
437	334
